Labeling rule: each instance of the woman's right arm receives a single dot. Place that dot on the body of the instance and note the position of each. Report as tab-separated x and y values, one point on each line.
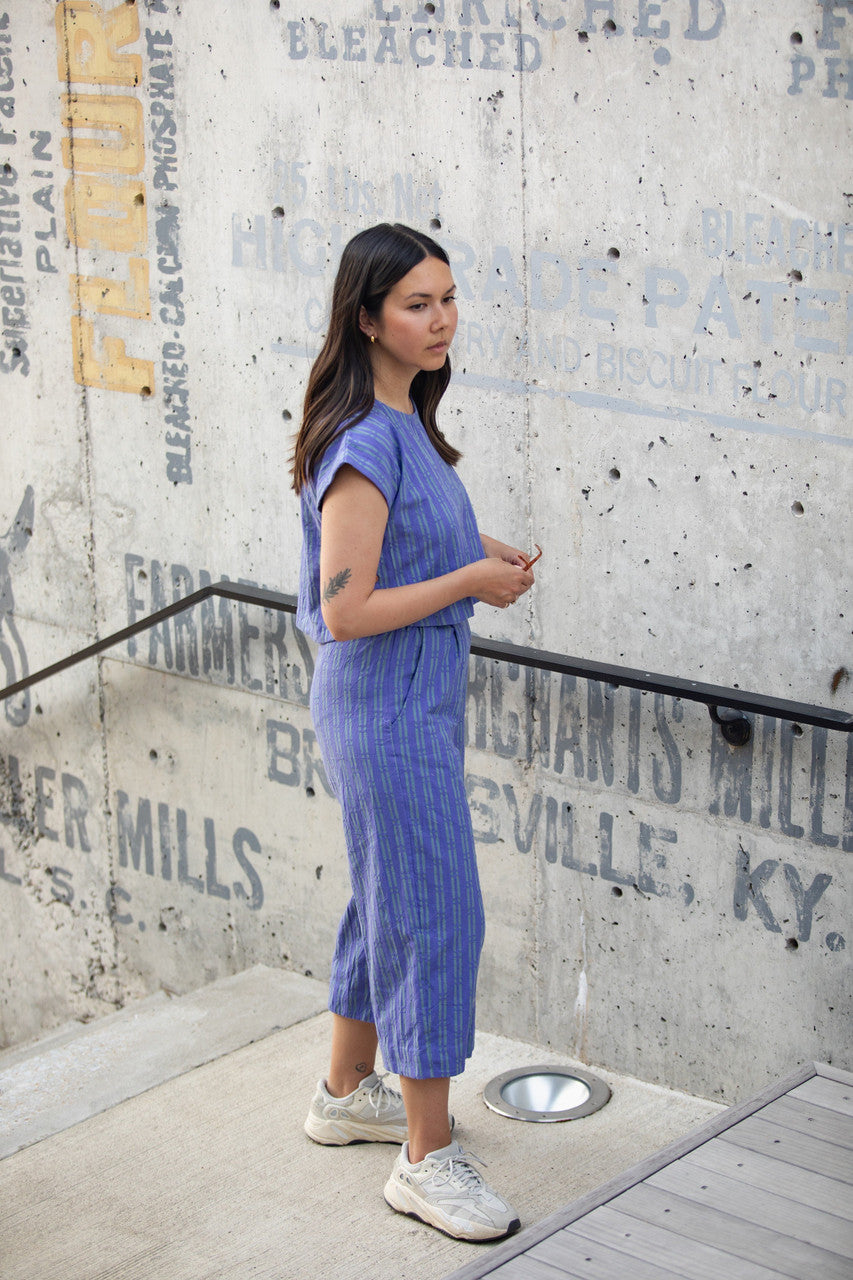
354	516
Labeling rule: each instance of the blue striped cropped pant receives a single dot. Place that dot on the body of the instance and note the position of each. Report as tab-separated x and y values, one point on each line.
389	715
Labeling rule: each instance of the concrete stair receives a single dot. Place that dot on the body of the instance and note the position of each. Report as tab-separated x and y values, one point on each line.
82	1069
165	1141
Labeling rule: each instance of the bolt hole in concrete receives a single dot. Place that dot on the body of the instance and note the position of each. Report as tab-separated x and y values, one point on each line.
545	1095
792	945
798	508
435	223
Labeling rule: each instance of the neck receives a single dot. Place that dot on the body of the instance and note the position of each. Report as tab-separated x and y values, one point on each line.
393	391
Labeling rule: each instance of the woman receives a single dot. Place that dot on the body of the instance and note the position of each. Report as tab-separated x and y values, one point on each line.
388	581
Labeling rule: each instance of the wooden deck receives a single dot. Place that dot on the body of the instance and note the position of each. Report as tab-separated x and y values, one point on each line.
765	1190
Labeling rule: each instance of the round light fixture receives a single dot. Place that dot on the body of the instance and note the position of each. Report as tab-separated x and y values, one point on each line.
545	1095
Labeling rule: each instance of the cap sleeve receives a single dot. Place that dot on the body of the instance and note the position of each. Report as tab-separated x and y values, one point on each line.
371	448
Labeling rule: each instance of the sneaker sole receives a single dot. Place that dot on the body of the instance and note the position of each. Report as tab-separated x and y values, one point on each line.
415	1207
329	1134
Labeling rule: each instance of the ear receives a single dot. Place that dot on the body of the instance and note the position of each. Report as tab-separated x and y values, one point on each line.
365	324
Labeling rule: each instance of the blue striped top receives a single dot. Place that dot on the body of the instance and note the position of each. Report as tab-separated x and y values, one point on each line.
431	528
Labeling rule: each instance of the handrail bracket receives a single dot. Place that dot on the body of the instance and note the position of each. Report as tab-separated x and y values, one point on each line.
734	727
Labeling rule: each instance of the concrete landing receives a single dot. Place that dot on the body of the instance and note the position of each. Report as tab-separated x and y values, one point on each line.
209	1174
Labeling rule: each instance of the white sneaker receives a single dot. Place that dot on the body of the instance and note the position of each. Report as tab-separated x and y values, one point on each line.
447	1192
371	1113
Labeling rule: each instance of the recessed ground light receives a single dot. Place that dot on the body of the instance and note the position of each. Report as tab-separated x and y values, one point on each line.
546	1094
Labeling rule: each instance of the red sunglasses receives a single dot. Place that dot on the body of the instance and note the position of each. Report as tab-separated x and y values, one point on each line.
528	564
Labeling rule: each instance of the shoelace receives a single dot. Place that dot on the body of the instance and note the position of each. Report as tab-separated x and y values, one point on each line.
462	1169
381	1098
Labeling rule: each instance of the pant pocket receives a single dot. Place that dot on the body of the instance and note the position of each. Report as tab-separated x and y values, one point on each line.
404	670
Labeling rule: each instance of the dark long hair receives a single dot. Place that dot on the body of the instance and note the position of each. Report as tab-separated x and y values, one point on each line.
340	387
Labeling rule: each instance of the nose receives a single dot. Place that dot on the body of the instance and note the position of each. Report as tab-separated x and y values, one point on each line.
443	316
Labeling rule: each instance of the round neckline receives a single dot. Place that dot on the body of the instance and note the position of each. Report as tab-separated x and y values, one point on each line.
411	413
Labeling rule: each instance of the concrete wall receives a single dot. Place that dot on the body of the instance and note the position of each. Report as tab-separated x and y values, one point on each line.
647	210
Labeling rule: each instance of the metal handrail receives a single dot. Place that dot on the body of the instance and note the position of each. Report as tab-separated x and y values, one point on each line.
735	729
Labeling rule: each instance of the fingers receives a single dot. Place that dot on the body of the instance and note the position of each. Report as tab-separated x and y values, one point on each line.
521	587
516	591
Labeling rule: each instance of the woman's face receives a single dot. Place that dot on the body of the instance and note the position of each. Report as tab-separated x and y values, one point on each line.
417	321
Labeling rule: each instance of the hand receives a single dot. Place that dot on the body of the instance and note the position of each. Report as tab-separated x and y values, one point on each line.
512	555
499	582
501	550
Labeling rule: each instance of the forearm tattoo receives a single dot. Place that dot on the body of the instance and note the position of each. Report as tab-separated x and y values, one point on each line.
336	584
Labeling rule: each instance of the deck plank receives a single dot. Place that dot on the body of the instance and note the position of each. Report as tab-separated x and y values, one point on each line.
766	1208
738	1238
786	1145
765	1173
525	1267
659	1247
591	1257
809	1117
826	1093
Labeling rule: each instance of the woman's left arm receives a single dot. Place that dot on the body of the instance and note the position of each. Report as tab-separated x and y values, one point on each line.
503	551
